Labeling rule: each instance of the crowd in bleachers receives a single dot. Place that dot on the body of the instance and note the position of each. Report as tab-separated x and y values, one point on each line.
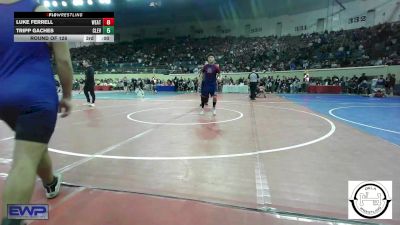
144	84
378	45
273	84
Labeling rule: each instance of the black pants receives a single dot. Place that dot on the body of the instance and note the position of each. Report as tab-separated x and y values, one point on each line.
253	89
89	89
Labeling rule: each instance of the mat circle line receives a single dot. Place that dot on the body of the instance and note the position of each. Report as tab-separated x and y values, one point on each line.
325	136
362	124
129	117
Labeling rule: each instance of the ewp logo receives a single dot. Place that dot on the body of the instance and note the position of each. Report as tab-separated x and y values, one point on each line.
31	212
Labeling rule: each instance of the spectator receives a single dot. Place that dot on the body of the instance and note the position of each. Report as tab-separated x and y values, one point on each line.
390	83
238	54
380	82
363	88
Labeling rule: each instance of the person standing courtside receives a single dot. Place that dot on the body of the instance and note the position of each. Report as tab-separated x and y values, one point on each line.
29	104
253	79
89	83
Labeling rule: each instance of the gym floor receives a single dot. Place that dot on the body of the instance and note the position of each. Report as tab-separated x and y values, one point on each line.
284	159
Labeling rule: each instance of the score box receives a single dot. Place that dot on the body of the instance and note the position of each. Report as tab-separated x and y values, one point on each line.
104	38
108	21
108	30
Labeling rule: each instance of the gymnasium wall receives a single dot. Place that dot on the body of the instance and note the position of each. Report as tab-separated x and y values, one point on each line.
347	72
359	13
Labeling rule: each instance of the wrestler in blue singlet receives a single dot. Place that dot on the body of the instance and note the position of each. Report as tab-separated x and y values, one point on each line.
28	95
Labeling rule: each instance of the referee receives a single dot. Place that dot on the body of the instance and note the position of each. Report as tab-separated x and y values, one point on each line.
253	78
89	83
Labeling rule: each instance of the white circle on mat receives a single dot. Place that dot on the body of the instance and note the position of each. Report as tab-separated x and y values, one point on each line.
362	124
129	116
325	136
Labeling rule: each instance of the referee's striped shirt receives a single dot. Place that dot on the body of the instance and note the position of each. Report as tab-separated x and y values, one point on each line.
253	77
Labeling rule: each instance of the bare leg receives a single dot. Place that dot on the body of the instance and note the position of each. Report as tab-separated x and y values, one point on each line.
21	179
45	169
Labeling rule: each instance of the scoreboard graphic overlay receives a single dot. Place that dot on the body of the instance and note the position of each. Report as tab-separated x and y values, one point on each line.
64	27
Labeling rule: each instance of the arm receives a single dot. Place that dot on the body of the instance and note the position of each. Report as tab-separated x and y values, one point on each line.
64	67
218	70
201	75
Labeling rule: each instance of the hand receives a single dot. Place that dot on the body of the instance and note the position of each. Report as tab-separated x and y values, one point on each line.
65	107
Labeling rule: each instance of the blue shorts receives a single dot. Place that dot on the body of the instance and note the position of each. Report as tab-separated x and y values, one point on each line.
209	90
33	121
